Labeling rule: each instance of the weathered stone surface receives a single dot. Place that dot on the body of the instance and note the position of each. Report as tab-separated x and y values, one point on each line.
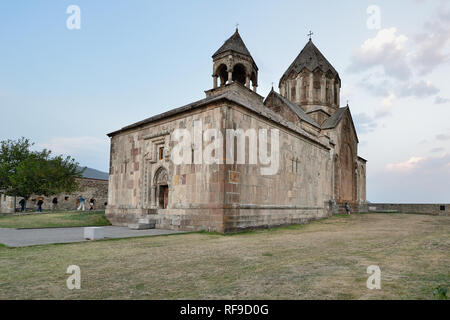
319	168
143	224
94	233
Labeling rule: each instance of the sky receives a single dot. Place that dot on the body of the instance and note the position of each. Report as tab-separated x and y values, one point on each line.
65	89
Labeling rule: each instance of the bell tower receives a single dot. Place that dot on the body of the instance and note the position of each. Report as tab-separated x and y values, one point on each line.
312	83
234	63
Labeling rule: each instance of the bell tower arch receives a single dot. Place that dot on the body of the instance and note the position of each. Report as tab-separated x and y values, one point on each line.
234	63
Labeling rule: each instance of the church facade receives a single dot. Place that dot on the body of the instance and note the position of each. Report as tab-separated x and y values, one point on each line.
312	139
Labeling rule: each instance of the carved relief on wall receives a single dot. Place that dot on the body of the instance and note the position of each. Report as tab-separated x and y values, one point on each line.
152	145
161	176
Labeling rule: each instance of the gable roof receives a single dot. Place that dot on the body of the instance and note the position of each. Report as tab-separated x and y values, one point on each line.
232	96
234	43
169	113
310	58
336	118
296	109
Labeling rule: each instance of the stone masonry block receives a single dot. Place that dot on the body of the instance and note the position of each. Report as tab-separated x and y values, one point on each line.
94	233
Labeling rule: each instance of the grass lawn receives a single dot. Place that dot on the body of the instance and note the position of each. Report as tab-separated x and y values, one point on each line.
325	259
57	219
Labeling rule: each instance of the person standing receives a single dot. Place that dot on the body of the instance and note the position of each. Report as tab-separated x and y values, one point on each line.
91	204
82	205
39	205
347	208
22	205
54	204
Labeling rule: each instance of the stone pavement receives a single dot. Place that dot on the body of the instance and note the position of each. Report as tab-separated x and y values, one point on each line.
29	237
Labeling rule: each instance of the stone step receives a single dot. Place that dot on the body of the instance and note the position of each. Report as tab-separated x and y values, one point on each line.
143	224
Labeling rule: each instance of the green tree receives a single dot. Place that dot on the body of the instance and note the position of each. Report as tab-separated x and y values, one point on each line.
12	153
24	172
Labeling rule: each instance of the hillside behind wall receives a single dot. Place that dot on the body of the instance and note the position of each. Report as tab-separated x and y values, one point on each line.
413	208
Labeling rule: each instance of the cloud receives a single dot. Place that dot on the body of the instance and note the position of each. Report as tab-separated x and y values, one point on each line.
376	83
417	180
442	137
410	164
347	92
436	150
440	100
385	50
432	43
68	146
386	106
364	123
390	62
422	165
419	89
88	151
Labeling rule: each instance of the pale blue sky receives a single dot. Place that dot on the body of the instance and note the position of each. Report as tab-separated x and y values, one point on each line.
65	89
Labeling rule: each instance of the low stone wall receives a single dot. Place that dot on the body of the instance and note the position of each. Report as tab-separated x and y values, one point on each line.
413	208
89	188
339	208
6	204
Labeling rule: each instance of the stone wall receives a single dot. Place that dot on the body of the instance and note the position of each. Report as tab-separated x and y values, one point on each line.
347	164
297	193
194	198
217	197
6	204
428	209
89	188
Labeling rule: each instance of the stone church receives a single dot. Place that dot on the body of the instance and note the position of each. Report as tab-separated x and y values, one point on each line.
319	167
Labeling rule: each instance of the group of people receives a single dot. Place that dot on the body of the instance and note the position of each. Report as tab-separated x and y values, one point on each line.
80	204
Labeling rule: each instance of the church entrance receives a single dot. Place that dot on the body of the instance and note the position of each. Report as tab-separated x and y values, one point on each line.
163	197
162	188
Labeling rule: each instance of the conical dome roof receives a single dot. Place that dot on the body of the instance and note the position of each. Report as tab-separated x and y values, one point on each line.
234	43
310	58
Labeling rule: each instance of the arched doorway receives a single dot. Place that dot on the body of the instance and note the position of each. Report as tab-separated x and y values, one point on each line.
162	188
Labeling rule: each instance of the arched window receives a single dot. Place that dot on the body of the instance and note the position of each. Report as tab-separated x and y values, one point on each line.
239	74
222	74
254	80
